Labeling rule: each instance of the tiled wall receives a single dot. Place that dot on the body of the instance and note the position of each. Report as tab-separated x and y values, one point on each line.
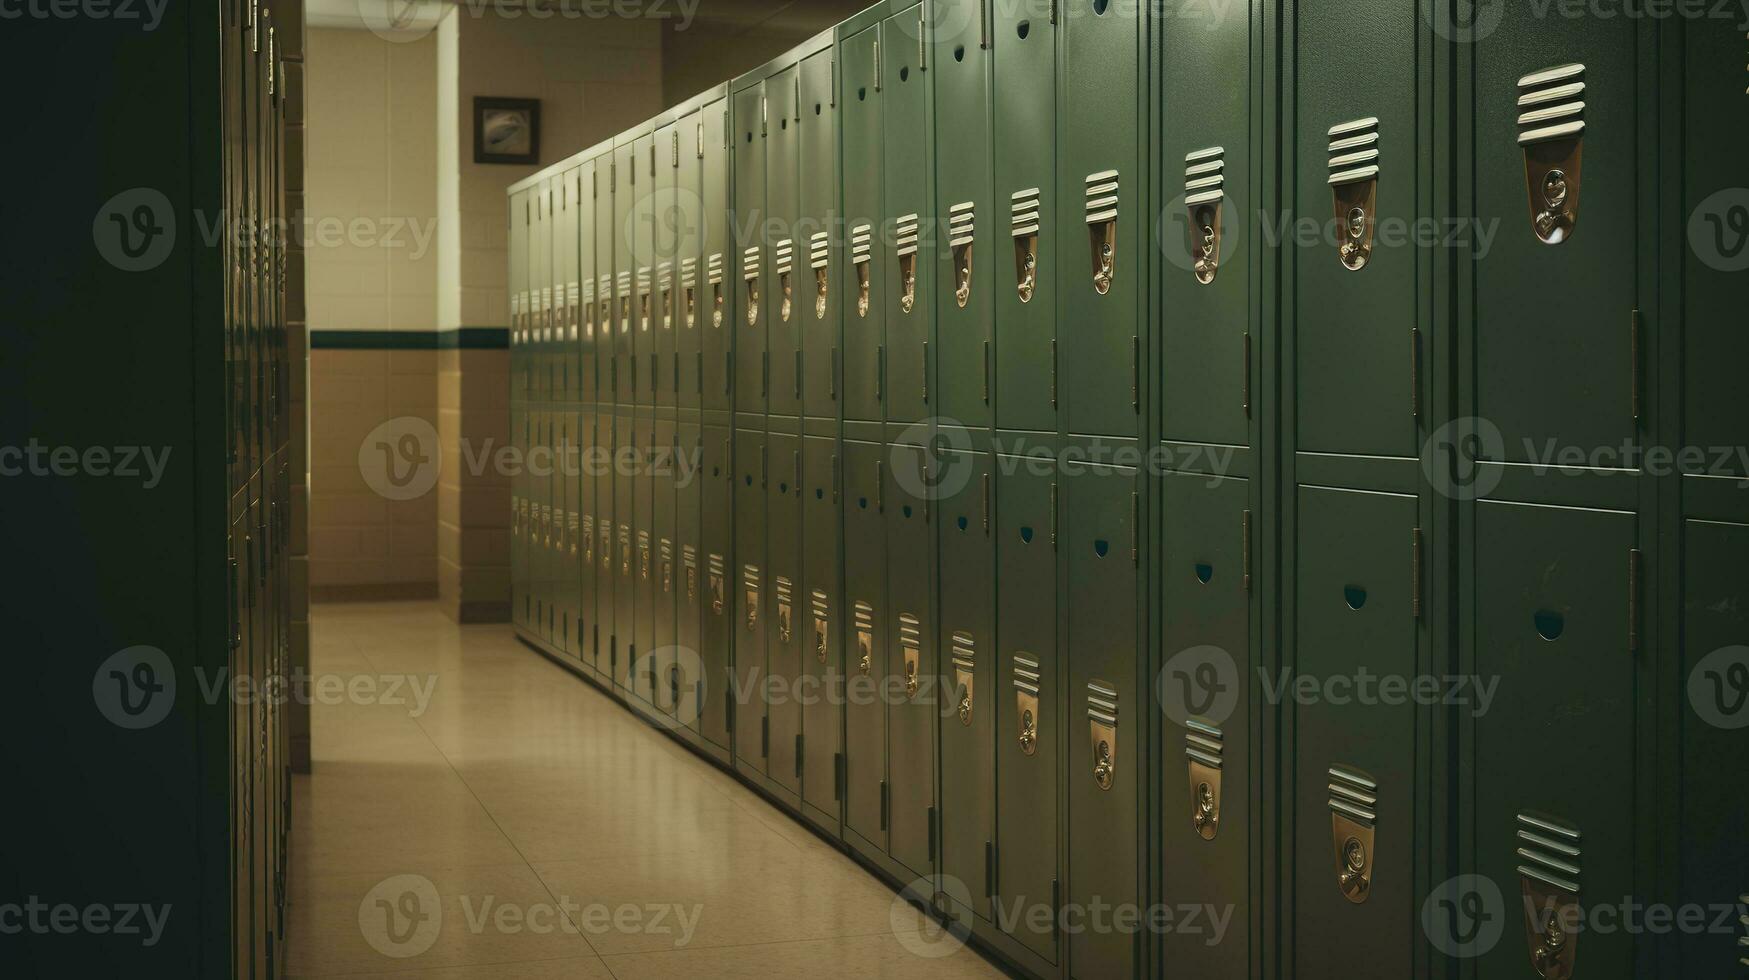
473	514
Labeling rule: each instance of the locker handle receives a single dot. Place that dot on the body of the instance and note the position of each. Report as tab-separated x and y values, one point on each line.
1053	372
986	372
1245	376
986	478
1415	372
1415	571
1245	548
924	367
1054	510
1136	373
1135	511
1633	600
1634	363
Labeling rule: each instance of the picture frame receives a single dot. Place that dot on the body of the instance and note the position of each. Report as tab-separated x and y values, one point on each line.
506	130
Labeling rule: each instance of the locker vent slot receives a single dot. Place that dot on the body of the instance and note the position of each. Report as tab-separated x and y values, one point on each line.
644	555
665	287
1203	743
1354	152
750	262
965	664
1552	103
817	250
714	268
665	550
906	234
785	603
822	608
719	581
1023	227
1550	849
689	564
959	223
906	241
1353	795
1203	175
1023	212
863	621
859	243
783	256
750	588
911	648
688	272
1101	197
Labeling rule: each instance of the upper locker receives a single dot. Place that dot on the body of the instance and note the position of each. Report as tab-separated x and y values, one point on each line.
715	317
1102	215
1024	97
587	303
641	235
666	231
686	215
960	75
819	279
566	519
784	244
750	260
864	304
908	200
1558	579
622	186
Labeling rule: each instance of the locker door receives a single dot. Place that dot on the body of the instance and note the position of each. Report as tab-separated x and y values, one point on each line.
1355	311
1355	763
624	190
907	247
1715	648
689	218
563	277
1556	345
688	686
607	264
785	246
1100	190
1552	587
960	70
521	601
1024	275
588	507
784	630
587	271
564	532
865	665
715	317
865	324
1108	710
819	252
752	281
911	662
606	566
820	623
643	573
752	603
1206	284
665	562
968	676
1205	757
666	224
1025	682
624	557
541	561
716	518
643	245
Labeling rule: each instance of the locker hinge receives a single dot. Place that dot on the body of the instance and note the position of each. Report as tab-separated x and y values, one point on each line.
728	710
1135	513
700	141
877	63
728	369
796	455
765	737
1634	362
922	40
883	804
1053	372
613	176
698	378
1415	570
674	148
1053	22
594	183
1136	373
798	755
1054	509
1245	378
798	95
984	25
1245	548
1415	373
726	137
764	114
924	367
652	158
764	466
986	479
1633	600
832	93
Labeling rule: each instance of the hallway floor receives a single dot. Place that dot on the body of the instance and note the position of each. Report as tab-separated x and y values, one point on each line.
476	811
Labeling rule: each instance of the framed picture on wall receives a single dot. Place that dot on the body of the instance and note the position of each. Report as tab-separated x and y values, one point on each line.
506	130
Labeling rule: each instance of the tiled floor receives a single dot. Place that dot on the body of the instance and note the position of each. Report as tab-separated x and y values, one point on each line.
478	812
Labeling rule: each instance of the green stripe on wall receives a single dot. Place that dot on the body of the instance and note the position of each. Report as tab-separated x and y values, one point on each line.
464	338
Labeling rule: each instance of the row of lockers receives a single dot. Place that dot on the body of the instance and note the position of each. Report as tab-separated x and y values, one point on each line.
1108	392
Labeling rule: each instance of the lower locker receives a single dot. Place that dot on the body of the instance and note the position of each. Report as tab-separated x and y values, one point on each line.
661	659
688	682
601	635
865	654
911	662
820	621
716	477
588	615
621	651
565	488
783	634
966	680
1355	843
538	502
1714	868
1555	832
521	605
1205	753
644	558
751	733
1107	718
1025	688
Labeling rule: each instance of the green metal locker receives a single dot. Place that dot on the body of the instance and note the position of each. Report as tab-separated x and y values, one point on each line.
820	626
752	601
521	369
622	550
664	560
621	184
689	683
717	579
601	551
751	258
716	317
905	244
864	134
786	250
786	605
687	216
960	70
666	226
1206	761
644	588
1102	194
911	659
968	672
1108	711
865	654
819	238
642	241
1024	116
566	291
541	289
588	273
1357	829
